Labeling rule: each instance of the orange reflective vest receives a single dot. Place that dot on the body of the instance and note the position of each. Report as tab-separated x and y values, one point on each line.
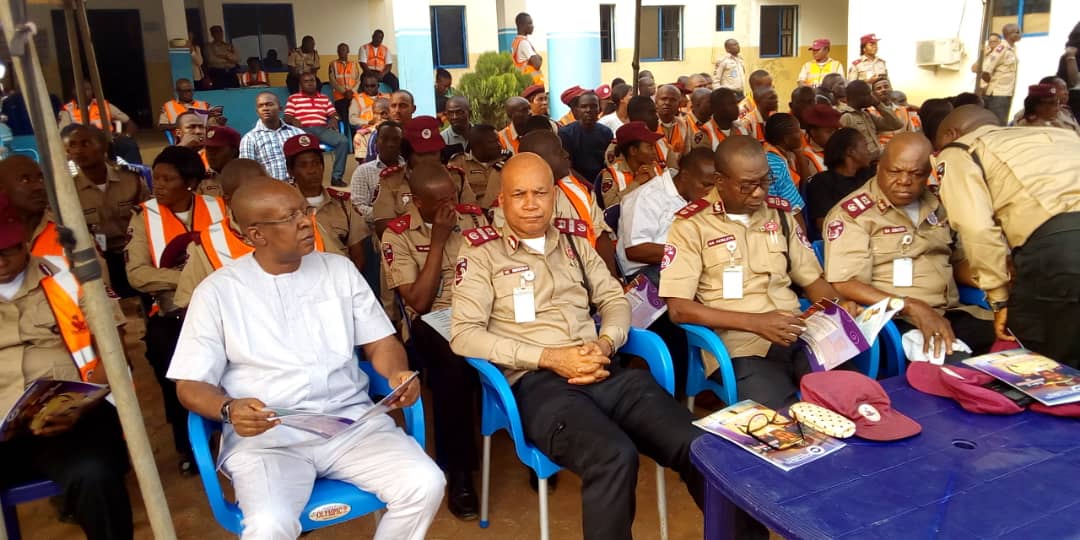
524	65
792	169
345	74
509	139
63	292
676	141
223	245
162	226
367	106
72	108
717	135
173	108
259	77
376	56
567	119
47	246
816	159
581	199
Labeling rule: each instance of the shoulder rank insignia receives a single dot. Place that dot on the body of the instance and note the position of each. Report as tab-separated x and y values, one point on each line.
692	208
390	170
857	204
779	203
574	227
339	194
399	225
498	165
470	209
480	235
857	62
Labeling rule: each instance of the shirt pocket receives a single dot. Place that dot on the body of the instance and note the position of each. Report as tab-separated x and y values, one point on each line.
886	247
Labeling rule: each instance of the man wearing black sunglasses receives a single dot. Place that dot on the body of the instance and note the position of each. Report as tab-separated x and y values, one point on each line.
730	262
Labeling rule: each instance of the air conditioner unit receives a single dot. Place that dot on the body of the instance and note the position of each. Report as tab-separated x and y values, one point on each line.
937	52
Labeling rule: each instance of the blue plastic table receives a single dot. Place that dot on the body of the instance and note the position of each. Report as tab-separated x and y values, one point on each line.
965	476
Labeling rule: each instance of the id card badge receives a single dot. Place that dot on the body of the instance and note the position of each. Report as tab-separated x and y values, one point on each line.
102	241
524	300
902	272
733	283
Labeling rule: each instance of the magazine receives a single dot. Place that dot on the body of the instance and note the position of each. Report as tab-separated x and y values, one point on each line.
1046	380
47	398
439	320
833	336
777	441
329	426
645	303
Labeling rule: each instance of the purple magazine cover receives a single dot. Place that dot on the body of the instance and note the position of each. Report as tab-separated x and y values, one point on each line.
842	344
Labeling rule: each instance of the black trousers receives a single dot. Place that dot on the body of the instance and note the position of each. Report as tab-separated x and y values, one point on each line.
391	80
455	390
118	280
342	108
675	339
597	430
1045	302
772	380
977	333
89	462
162	332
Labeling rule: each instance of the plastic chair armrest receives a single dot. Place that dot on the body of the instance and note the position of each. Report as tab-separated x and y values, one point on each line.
651	348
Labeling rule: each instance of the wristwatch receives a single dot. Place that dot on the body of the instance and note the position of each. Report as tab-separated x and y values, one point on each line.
998	306
225	412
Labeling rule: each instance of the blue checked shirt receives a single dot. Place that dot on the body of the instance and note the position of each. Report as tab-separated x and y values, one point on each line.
783	186
265	146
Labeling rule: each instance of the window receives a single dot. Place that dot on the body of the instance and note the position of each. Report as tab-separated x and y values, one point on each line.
607	32
725	18
661	33
1033	16
448	48
778	30
255	29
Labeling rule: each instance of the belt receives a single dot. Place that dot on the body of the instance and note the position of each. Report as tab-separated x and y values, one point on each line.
1067	222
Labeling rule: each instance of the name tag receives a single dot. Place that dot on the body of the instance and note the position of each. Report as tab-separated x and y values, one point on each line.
733	278
524	304
102	241
902	272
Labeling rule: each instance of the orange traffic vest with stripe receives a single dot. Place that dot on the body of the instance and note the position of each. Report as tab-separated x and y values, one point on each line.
525	66
248	79
621	179
347	78
716	134
582	201
567	119
792	169
816	159
223	246
509	139
367	105
63	292
376	56
676	142
173	108
162	226
47	246
95	112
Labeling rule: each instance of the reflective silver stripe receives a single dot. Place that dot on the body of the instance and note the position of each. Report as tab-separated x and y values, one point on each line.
156	229
220	244
57	260
581	195
213	209
67	281
83	356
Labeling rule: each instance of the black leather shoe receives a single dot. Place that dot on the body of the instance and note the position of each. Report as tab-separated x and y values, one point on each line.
552	482
461	498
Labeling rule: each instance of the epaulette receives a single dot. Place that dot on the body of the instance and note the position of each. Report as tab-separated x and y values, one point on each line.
692	208
574	227
399	225
480	235
856	62
1000	48
470	209
340	194
858	204
779	203
390	170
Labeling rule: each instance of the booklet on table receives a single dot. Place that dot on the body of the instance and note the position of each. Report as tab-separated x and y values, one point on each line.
329	426
776	431
833	336
1045	380
48	398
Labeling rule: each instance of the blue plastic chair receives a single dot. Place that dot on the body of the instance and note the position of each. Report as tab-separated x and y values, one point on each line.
972	296
341	129
25	145
326	493
500	412
16	495
819	250
612	215
170	137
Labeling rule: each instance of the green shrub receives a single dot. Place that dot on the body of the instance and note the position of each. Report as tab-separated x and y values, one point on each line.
488	87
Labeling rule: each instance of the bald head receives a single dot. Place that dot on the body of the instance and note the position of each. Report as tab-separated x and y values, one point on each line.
961	121
236	172
737	148
516	101
527	196
426	175
904	168
668	90
259	198
700	104
910	144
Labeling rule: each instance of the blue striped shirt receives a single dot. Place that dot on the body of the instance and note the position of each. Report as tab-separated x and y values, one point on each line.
783	186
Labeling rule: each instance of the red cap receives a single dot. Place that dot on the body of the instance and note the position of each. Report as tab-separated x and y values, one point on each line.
635	131
682	88
422	133
868	38
862	400
222	136
603	91
531	91
300	143
961	384
1071	410
12	231
819	44
175	253
821	115
570	94
1042	90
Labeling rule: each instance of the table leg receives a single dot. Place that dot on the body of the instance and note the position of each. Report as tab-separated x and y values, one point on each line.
720	516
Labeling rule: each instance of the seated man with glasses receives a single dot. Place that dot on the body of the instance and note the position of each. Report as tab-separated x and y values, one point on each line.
730	262
278	329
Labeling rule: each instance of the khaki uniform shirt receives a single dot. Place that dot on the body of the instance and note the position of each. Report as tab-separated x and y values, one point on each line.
394	195
869	125
209	187
301	62
483	178
697	252
494	263
617	181
221	55
108	212
407	242
865	233
341	220
30	348
1001	65
1028	175
729	73
865	69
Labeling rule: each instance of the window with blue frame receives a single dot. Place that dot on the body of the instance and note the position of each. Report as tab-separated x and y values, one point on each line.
779	31
661	33
1033	16
448	37
607	32
257	29
725	18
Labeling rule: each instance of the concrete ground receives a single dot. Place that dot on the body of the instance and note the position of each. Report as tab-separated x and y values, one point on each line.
514	511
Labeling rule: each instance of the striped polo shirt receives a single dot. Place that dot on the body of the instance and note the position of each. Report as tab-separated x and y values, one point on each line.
310	110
